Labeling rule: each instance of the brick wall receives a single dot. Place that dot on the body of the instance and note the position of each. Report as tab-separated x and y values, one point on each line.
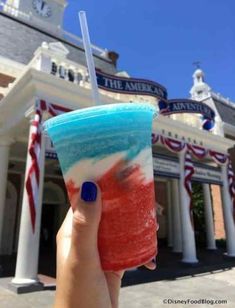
218	213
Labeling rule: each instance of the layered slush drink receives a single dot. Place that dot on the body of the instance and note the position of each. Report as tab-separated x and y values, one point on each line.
111	145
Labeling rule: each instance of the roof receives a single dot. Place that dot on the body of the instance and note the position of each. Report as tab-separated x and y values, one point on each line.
19	41
226	112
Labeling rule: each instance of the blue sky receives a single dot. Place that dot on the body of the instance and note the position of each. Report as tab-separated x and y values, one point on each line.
160	39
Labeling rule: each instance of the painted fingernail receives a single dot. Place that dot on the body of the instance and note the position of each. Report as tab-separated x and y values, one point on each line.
89	192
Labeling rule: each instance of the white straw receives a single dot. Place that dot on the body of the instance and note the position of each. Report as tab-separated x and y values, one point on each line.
89	57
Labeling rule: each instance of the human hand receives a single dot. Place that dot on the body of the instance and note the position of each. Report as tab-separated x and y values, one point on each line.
81	282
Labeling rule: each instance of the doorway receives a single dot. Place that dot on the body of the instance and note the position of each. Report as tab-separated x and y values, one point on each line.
48	232
54	209
9	222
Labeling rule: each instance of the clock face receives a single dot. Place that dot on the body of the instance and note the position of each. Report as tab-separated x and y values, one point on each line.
42	8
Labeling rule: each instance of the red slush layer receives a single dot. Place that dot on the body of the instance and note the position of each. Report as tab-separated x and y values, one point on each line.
127	232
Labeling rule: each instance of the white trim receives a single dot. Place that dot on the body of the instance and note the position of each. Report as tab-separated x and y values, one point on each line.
222	99
229	129
35	83
10	67
203	138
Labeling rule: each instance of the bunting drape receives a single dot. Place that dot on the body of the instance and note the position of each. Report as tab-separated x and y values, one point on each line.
34	150
198	152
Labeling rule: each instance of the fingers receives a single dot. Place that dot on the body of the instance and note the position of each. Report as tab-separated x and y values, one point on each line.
63	240
85	222
151	265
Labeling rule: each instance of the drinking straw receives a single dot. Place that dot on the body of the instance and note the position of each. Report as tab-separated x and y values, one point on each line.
89	57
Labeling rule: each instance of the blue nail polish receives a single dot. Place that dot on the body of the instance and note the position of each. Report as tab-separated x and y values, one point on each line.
89	192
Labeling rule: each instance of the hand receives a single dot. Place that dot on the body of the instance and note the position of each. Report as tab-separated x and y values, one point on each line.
81	282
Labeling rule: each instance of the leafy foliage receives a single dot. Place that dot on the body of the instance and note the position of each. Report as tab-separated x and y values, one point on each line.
198	213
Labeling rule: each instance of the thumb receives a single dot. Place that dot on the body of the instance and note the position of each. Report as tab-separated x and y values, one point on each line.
85	223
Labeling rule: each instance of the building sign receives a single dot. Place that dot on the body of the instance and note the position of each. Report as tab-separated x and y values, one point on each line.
209	174
130	85
186	106
166	167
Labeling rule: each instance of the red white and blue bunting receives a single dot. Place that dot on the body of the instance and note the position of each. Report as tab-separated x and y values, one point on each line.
231	185
219	158
198	152
173	145
155	138
33	176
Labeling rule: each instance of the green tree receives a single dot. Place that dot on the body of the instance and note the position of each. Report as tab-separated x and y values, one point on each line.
198	213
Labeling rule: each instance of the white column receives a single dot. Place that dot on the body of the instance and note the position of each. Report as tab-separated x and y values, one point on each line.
176	220
169	216
228	214
188	237
28	245
4	157
208	217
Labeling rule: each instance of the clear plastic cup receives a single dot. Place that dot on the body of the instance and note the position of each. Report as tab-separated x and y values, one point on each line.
111	145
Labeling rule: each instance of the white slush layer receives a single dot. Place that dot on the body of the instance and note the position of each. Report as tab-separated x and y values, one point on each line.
92	169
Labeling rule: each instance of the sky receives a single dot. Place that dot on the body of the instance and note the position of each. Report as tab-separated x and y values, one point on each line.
160	40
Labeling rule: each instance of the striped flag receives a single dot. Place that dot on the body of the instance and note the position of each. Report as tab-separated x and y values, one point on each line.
188	173
231	185
33	175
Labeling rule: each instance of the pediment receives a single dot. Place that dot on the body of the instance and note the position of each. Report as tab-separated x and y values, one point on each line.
58	48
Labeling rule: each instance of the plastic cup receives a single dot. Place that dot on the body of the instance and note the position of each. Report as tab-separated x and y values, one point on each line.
111	145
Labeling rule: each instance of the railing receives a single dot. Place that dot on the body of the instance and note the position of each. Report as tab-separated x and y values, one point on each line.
56	31
220	98
54	62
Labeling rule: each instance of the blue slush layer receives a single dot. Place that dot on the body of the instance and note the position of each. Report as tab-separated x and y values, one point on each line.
96	132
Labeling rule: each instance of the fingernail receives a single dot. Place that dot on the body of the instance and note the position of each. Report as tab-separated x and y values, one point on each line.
89	192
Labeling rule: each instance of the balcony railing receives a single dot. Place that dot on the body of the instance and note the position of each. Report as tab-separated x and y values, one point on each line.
52	59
